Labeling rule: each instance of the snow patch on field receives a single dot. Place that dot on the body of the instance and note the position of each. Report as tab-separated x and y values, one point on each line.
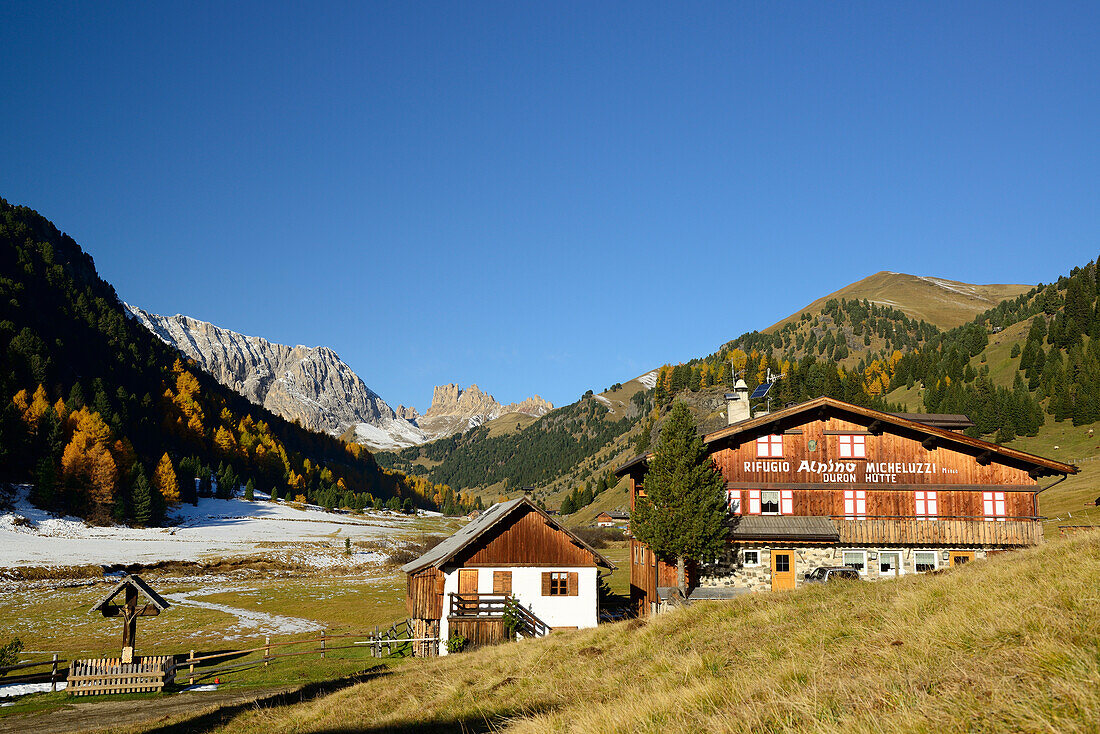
248	620
603	400
22	689
955	287
649	380
212	529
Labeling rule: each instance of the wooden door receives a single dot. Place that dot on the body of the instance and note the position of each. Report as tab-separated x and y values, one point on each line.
958	558
782	570
467	581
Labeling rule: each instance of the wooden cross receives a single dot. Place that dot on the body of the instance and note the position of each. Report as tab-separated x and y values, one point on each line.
129	611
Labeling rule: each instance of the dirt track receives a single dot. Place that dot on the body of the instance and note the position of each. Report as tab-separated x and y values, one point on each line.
115	715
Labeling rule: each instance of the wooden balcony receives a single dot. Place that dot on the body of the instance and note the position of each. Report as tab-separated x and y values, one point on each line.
1008	533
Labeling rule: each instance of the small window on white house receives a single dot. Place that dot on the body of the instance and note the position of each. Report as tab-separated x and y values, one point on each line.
856	560
924	561
769	502
769	447
853	447
750	558
733	501
993	505
926	504
855	504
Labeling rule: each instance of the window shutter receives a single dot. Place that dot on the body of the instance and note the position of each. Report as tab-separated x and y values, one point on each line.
933	510
786	502
571	584
546	583
754	501
502	582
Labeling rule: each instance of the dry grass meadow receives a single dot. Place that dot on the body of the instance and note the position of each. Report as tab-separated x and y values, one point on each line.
1011	643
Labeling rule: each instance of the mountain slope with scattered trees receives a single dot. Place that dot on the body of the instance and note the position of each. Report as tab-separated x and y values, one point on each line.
109	423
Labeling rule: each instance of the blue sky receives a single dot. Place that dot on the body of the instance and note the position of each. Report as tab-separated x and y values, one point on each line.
547	197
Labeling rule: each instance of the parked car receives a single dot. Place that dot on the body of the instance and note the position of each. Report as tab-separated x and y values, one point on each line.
825	574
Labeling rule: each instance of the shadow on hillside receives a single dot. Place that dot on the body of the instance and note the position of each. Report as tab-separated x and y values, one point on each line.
219	717
471	725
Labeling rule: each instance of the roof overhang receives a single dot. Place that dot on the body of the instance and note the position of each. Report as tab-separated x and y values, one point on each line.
773	422
494	516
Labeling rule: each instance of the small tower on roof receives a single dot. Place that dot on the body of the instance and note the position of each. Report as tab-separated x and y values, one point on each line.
737	403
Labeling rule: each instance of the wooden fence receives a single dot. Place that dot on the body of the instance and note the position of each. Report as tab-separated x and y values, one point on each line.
396	641
56	673
111	675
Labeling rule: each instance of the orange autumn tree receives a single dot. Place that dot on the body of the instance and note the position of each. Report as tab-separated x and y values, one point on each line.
164	479
87	467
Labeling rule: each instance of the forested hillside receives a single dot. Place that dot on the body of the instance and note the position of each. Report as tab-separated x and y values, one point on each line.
535	456
109	423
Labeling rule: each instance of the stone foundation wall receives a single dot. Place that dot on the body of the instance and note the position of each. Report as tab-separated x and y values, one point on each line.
730	571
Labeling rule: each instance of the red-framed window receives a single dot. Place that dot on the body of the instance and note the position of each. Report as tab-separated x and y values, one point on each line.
852	446
855	504
769	447
771	502
733	501
926	504
993	505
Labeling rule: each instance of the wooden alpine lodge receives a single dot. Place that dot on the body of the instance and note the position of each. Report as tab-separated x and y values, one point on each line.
828	483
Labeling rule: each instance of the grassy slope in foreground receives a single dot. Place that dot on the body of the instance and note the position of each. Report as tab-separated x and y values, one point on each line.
1011	643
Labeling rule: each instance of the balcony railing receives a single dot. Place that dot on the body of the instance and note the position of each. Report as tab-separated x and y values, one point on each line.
493	606
1010	532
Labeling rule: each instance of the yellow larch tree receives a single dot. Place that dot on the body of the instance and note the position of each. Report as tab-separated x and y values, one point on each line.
164	479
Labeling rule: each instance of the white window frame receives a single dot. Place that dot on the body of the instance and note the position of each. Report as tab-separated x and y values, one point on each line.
994	506
855	504
863	553
925	504
770	447
935	560
901	561
778	502
852	446
745	558
733	501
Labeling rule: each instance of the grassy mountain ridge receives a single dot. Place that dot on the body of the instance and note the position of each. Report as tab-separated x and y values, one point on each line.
941	302
1010	643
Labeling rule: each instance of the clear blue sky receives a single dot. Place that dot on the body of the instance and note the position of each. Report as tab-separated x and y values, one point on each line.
547	197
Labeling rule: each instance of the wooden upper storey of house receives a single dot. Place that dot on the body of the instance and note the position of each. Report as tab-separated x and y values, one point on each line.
827	457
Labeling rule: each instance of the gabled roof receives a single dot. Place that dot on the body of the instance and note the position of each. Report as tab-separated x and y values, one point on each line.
753	425
138	583
492	517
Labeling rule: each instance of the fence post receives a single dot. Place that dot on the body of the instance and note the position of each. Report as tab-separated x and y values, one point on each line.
267	649
53	674
191	669
322	643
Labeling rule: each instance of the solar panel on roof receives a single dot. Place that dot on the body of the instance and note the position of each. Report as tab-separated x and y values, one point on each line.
760	391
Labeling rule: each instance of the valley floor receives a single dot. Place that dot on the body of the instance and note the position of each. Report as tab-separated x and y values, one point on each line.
1010	643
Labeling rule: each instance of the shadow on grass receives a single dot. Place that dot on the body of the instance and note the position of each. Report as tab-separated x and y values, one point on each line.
213	719
470	725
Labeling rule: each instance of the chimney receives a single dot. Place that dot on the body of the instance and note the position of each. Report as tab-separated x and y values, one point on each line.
737	403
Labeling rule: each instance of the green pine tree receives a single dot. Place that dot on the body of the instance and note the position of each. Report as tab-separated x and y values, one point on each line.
250	491
683	513
142	498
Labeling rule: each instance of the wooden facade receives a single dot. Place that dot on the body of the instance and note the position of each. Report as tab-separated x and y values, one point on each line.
527	541
882	479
